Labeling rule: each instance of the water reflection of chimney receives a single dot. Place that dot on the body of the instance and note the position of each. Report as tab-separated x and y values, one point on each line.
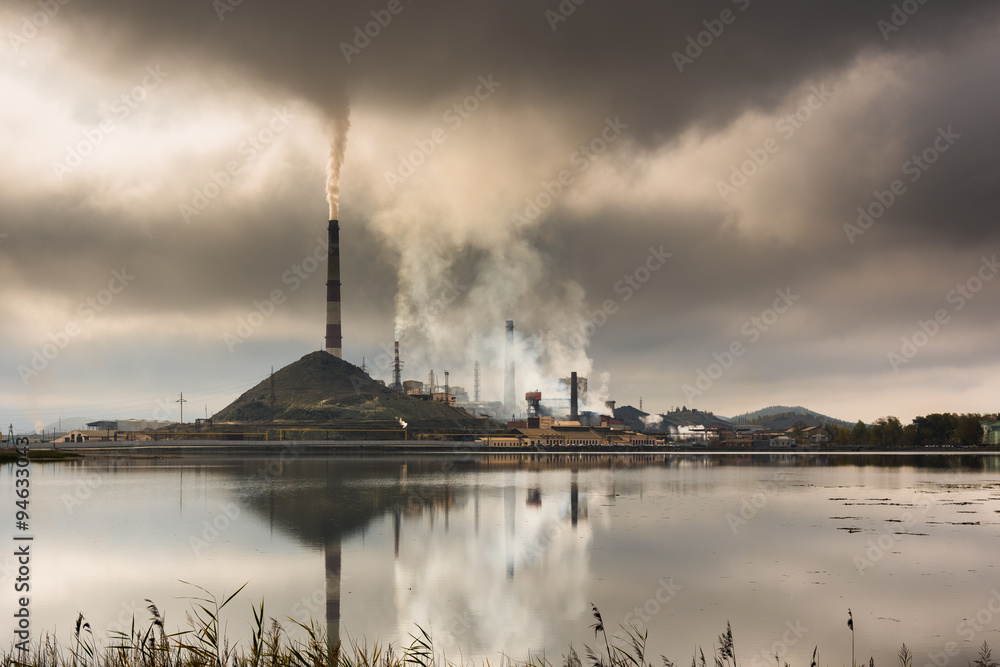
477	508
331	549
395	532
574	501
509	509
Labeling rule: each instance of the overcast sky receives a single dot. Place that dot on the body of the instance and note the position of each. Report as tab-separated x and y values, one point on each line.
632	183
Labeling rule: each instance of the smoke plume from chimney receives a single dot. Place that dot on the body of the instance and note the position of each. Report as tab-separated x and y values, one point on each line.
337	130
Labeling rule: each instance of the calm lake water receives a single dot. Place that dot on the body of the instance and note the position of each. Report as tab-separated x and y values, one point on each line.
496	554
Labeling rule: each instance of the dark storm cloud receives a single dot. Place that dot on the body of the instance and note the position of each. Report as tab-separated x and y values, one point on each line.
605	58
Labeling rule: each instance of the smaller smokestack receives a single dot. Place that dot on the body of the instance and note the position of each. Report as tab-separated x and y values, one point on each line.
509	402
397	380
574	408
447	389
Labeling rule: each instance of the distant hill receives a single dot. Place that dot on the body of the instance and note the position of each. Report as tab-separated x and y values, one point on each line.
319	387
638	420
783	417
633	417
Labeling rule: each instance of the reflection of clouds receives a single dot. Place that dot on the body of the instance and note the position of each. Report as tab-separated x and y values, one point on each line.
456	584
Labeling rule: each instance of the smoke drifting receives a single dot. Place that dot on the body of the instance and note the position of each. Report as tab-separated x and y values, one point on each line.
652	421
337	130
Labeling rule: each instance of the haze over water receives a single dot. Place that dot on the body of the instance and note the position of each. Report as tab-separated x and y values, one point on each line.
506	553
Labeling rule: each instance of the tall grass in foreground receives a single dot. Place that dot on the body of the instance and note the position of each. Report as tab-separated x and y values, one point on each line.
203	645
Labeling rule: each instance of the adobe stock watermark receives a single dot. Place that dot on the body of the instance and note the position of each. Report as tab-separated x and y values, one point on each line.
32	24
580	160
957	298
751	505
87	482
697	44
561	14
213	530
786	127
900	15
88	311
641	615
295	276
551	529
914	168
454	116
223	7
447	293
247	151
877	548
363	35
789	638
627	287
968	629
120	108
752	329
165	408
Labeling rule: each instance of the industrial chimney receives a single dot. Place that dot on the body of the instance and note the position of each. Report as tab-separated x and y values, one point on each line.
574	408
397	375
509	402
334	342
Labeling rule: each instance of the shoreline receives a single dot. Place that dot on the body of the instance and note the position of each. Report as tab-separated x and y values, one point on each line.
432	447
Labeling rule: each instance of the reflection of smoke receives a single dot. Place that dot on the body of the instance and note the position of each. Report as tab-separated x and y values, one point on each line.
508	584
652	421
337	129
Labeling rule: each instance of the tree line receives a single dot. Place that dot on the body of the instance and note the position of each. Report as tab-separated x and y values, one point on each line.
933	430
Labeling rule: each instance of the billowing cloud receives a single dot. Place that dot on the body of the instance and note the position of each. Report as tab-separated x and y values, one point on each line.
632	184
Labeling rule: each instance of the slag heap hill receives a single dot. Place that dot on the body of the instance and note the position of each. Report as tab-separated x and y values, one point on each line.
319	387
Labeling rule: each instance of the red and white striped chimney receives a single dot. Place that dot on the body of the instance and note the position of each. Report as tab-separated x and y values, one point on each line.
334	342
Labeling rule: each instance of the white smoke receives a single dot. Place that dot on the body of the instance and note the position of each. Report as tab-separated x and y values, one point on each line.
467	256
652	421
337	129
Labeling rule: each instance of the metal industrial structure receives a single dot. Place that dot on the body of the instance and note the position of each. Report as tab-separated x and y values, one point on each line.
574	404
509	402
397	371
334	341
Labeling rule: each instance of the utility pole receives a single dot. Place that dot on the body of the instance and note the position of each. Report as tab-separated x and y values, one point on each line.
182	402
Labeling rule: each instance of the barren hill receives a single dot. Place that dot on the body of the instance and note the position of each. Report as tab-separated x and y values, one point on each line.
319	387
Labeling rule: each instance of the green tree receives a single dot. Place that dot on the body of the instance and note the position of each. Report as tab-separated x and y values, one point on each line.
968	431
859	434
935	430
887	432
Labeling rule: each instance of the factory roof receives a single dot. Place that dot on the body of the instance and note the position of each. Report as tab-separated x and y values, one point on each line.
538	432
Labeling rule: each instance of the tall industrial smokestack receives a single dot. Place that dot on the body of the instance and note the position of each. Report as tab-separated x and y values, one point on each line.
509	402
574	408
334	342
397	374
